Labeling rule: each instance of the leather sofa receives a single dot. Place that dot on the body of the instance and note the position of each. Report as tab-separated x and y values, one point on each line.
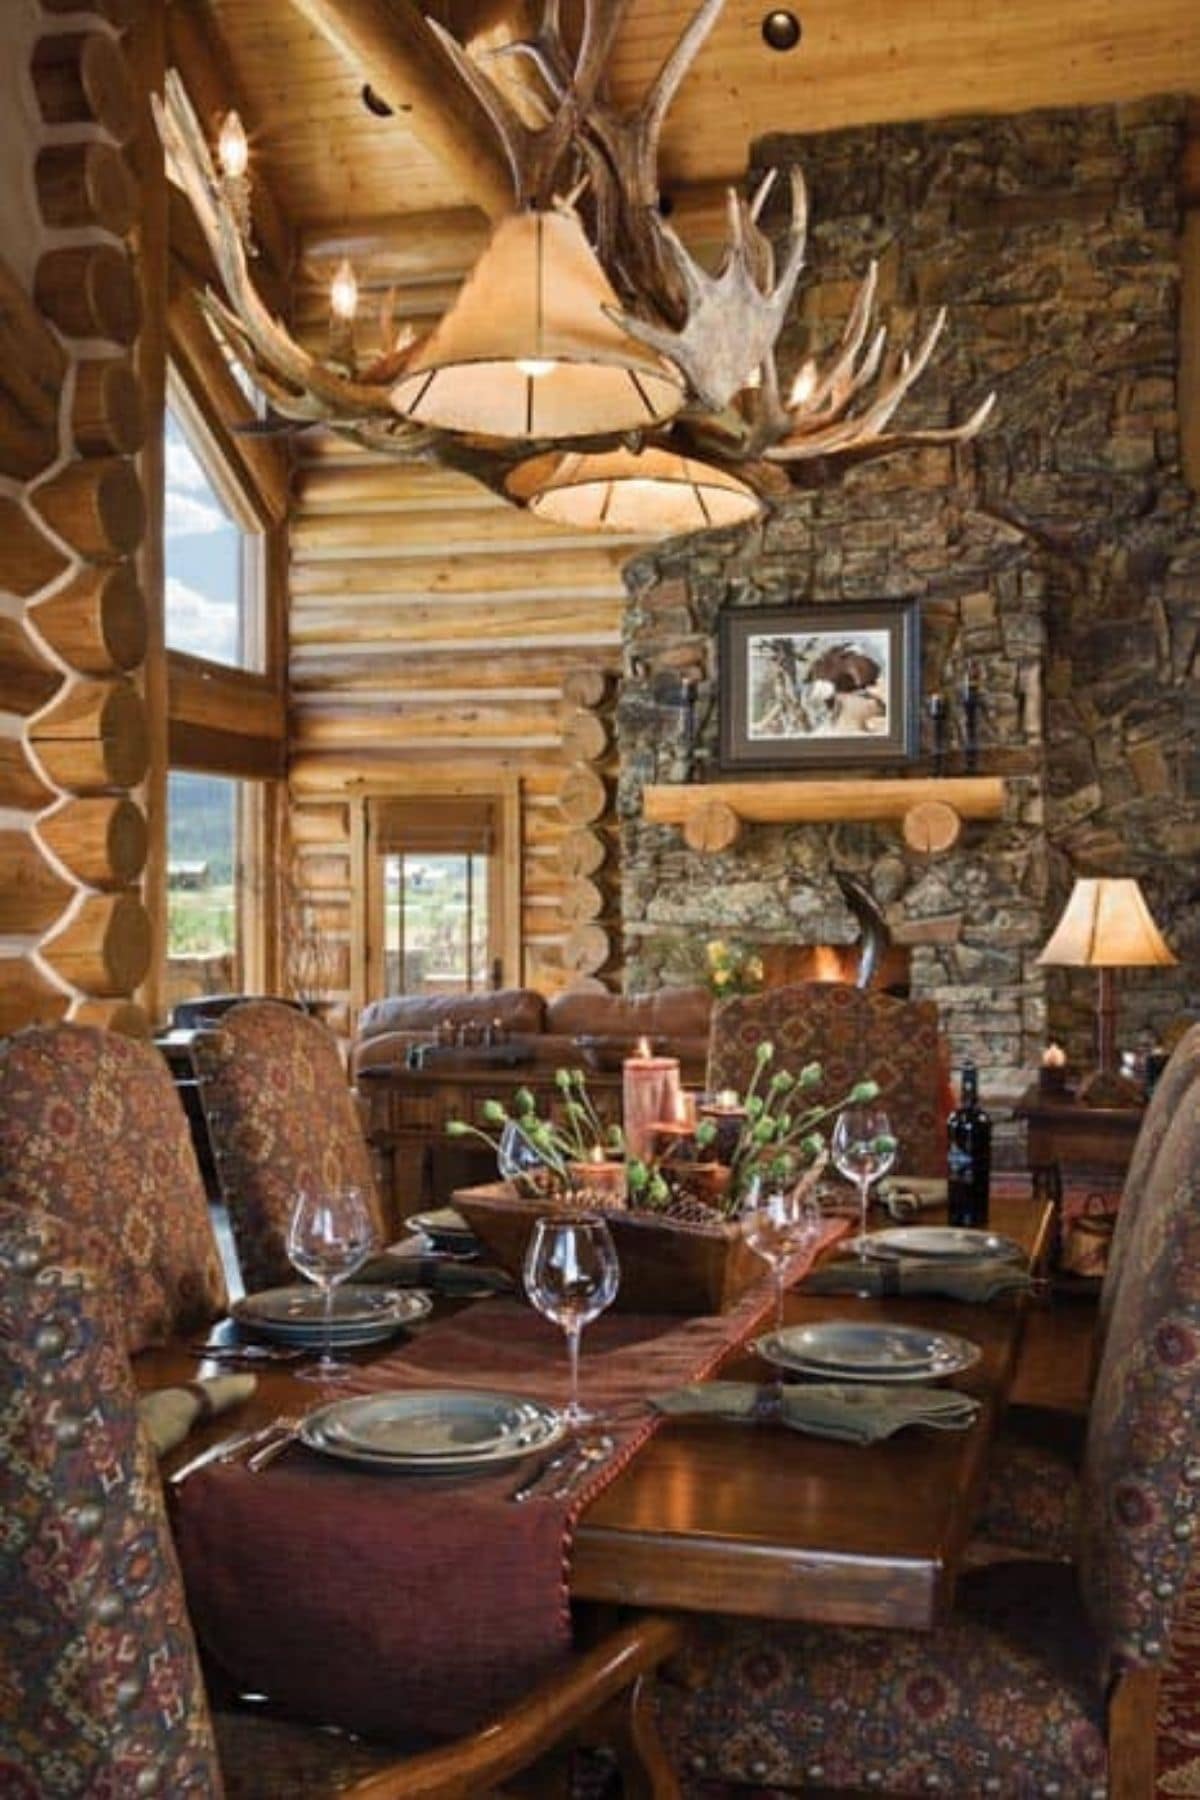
575	1027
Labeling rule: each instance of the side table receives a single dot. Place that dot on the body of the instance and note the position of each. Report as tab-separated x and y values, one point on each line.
1069	1145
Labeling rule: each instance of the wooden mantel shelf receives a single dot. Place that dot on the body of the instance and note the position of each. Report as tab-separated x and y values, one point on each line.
930	809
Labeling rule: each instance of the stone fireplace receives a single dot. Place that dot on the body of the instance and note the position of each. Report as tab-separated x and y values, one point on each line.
1059	555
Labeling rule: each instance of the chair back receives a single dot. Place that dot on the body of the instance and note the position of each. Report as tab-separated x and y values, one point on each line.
281	1117
103	1693
1141	1475
92	1132
853	1033
1169	1094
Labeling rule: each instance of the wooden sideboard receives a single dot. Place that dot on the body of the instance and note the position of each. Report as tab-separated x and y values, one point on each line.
1088	1141
407	1111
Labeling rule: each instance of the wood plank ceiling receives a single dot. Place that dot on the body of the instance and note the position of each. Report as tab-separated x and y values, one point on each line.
430	624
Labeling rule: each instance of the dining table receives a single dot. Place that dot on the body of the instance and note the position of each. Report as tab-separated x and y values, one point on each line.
718	1518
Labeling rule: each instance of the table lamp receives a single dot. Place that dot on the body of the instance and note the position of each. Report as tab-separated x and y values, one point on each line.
1106	926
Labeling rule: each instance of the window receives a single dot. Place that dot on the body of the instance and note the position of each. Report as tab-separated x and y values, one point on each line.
212	556
211	874
442	906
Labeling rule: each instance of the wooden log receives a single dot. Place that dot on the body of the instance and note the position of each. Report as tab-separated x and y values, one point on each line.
98	622
584	686
585	737
931	828
712	828
97	506
423	727
28	559
21	785
583	797
33	366
320	825
582	901
83	78
90	291
95	737
586	949
104	946
26	997
118	13
124	1016
582	852
102	840
32	893
827	802
27	680
107	415
85	184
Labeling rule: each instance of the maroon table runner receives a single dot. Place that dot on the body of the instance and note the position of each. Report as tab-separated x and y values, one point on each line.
396	1604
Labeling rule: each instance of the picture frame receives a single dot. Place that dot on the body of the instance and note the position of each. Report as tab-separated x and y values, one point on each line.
819	686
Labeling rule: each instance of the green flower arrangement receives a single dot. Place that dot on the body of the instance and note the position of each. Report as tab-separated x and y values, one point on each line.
732	969
779	1139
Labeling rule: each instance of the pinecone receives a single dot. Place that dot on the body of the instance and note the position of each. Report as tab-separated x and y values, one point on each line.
687	1211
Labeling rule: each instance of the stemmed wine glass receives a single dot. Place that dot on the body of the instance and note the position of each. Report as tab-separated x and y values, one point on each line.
571	1275
331	1234
777	1222
864	1148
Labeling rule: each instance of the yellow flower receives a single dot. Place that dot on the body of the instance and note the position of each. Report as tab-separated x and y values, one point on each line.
716	951
721	977
754	968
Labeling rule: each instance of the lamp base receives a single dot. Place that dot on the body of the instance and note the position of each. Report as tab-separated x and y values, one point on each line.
1105	1087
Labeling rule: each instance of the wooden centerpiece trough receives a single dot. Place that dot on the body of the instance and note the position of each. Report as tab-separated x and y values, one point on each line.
668	1265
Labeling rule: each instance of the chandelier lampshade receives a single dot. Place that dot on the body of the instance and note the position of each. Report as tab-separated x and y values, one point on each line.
528	351
656	493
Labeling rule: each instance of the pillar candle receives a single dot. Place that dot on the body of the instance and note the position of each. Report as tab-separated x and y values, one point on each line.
650	1093
600	1179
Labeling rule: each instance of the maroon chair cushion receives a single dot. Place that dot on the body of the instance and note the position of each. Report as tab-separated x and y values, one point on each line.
853	1034
1031	1496
281	1117
100	1693
92	1132
1005	1699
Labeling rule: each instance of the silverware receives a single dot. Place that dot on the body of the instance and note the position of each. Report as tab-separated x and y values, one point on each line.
247	1353
289	1430
549	1465
228	1450
593	1452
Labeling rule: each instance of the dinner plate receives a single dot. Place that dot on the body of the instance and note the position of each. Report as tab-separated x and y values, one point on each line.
361	1315
951	1243
885	1353
446	1230
433	1429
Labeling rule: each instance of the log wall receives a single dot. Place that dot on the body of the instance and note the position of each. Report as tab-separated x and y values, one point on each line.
431	627
75	936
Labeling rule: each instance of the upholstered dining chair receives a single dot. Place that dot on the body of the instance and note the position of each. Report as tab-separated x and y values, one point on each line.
853	1033
280	1114
1031	1500
103	1693
1045	1679
92	1131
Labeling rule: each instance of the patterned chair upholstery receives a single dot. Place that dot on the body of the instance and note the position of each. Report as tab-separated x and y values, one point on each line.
92	1132
280	1115
101	1695
1014	1695
1031	1502
852	1033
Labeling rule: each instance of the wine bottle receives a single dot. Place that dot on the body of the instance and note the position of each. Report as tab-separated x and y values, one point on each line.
969	1155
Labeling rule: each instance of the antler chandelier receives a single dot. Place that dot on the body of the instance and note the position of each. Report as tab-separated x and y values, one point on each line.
590	368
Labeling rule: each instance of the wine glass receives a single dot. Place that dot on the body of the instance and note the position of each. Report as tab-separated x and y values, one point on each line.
571	1275
864	1148
331	1234
777	1222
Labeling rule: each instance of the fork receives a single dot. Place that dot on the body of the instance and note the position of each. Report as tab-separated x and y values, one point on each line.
284	1433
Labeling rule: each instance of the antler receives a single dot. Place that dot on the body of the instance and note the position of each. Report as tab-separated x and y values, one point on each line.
297	384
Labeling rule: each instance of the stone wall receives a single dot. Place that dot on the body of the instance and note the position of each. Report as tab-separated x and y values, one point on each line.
1060	552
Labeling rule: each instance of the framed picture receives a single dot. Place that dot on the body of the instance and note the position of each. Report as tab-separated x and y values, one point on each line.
813	686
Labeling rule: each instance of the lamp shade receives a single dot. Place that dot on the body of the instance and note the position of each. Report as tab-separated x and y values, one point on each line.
656	492
1106	924
527	349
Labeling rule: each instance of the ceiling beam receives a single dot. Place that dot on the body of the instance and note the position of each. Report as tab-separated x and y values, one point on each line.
389	44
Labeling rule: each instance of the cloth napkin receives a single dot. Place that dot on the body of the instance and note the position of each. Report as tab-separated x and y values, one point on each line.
854	1413
904	1196
169	1413
977	1281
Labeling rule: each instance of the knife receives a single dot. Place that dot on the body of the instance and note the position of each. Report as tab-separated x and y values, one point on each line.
222	1452
549	1465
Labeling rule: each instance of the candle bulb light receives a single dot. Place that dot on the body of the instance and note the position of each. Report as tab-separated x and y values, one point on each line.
1052	1076
233	154
343	307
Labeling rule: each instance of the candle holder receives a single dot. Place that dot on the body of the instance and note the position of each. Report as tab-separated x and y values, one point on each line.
728	1115
599	1181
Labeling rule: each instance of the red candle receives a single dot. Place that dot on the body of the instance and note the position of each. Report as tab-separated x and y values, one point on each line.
650	1093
